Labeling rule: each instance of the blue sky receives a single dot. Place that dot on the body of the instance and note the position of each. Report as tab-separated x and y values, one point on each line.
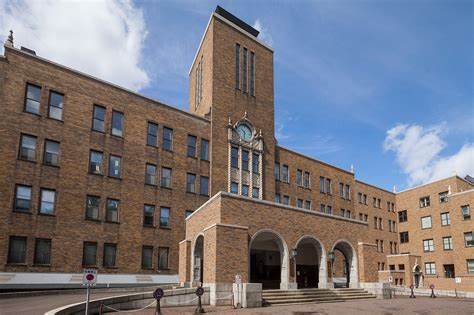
384	85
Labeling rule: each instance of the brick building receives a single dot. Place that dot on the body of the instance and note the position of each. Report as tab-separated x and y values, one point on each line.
94	175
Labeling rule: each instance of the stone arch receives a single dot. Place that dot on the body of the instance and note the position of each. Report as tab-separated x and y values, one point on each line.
319	260
266	240
197	259
417	275
350	254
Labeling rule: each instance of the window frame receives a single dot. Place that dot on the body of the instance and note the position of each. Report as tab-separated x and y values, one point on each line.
429	246
430	224
403	214
35	255
46	141
159	266
149	177
20	156
201	192
89	243
122	125
49	104
119	176
432	268
153	208
466	242
107	209
40	206
10	248
191	185
164	180
191	147
15	203
167	144
204	157
447	220
168	224
101	173
147	247
87	217
94	106
115	247
148	134
450	243
26	98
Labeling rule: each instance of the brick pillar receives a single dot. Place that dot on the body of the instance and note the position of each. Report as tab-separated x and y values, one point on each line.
185	262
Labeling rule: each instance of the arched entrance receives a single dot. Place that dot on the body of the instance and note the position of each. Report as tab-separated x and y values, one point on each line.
310	263
345	270
268	260
417	276
198	260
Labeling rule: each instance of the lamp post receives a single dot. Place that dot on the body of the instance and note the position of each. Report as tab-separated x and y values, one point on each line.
331	261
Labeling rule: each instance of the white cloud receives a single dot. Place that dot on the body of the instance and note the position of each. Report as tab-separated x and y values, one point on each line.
264	35
101	38
418	152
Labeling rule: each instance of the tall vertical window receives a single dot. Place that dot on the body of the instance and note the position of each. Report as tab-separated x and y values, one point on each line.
192	140
168	139
51	153
204	150
112	210
430	268
322	208
306	179
286	200
22	198
245	190
115	166
98	120
190	183
277	198
237	66
152	134
92	207
164	217
329	209
42	251
198	84
32	99
244	71
149	215
117	123
299	203
234	157
447	243
299	177
204	185
166	177
48	198
466	212
284	174
245	160
277	171
321	184
307	204
341	190
347	192
252	73
234	188
470	266
255	192
327	187
55	105
163	253
468	239
147	257
17	250
28	148
89	254
110	254
96	160
150	174
255	163
445	219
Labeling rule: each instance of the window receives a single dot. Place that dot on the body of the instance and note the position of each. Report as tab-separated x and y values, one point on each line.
204	185
42	252
245	190
255	192
17	250
152	134
428	245
252	73
277	171
404	237
92	207
299	177
402	216
98	120
204	150
341	190
187	213
110	254
299	203
449	271
149	215
327	187
468	239
381	246
447	243
424	201
150	174
245	160
329	209
376	223
48	197
32	99
359	197
117	123
466	212
89	254
28	148
190	183
22	198
401	267
192	140
255	163
426	222
147	257
365	199
51	153
244	71
96	162
347	192
112	210
166	177
443	197
306	180
322	208
234	157
470	265
445	219
198	84
286	200
343	212
237	66
115	166
277	198
284	174
430	268
234	188
380	224
163	253
307	204
167	138
164	217
55	105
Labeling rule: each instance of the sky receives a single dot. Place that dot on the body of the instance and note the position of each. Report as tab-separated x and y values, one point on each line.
385	86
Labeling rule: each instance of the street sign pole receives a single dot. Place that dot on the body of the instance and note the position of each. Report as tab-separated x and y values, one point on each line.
88	294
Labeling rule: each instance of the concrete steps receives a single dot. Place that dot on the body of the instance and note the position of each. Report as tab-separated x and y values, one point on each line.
286	297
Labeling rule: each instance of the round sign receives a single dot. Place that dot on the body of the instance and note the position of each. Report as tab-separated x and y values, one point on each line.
432	286
412	286
90	277
158	294
199	291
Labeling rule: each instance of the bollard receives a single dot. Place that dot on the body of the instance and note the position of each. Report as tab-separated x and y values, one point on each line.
412	295
432	291
101	308
158	294
199	293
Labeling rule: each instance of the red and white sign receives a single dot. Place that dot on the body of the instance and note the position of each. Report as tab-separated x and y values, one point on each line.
89	276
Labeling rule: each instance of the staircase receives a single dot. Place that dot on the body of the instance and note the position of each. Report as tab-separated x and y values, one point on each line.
285	297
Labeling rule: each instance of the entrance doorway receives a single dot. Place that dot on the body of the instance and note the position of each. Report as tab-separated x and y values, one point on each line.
417	276
345	266
198	260
308	263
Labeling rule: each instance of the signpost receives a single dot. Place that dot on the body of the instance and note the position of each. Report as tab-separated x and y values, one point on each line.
89	279
412	295
432	286
199	293
158	294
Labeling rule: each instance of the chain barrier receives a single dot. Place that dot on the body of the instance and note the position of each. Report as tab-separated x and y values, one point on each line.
132	311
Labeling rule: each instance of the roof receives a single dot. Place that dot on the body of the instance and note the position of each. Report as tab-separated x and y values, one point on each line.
232	18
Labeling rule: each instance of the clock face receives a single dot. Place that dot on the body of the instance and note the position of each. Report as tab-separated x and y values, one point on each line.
244	132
